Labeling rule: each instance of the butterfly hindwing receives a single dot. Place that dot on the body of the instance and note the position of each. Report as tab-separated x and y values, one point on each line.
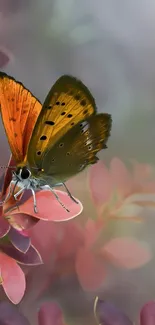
19	111
68	102
77	148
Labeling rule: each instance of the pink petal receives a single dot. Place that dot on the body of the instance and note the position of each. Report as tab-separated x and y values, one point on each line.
22	243
49	208
122	180
10	315
127	252
147	314
21	221
13	279
50	314
100	183
31	257
90	270
4	227
107	314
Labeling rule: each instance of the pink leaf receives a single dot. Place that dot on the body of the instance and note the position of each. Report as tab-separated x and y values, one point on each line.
127	252
22	243
90	270
49	208
13	279
21	221
4	227
50	314
31	257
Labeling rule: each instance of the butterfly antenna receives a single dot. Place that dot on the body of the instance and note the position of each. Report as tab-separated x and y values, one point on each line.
5	167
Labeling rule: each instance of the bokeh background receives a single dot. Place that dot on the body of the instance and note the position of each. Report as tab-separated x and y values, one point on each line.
110	46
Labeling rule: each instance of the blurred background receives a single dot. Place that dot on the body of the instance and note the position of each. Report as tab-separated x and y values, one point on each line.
110	46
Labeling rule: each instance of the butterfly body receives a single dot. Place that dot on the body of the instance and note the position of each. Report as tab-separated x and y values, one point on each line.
54	141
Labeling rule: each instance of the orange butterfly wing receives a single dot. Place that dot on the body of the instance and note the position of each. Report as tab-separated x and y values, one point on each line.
19	110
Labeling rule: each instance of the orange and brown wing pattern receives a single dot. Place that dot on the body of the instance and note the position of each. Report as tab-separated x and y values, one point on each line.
19	111
69	101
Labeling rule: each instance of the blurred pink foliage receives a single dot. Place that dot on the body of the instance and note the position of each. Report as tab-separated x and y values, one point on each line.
120	193
50	313
79	247
15	245
108	314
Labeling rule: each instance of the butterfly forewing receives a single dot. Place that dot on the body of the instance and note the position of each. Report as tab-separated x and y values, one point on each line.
68	102
19	111
77	148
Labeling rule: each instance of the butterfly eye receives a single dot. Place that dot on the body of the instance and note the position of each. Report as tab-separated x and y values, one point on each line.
69	115
38	153
25	173
68	154
63	104
61	145
63	113
57	103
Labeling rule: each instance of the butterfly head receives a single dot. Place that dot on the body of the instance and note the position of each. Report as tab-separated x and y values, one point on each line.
22	173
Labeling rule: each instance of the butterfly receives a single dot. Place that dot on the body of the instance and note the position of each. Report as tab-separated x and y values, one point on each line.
51	142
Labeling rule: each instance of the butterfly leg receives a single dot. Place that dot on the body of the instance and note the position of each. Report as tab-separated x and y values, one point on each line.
34	200
13	191
69	193
47	187
19	192
9	193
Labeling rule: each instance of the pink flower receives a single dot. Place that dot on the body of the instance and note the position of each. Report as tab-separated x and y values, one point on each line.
15	245
120	193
